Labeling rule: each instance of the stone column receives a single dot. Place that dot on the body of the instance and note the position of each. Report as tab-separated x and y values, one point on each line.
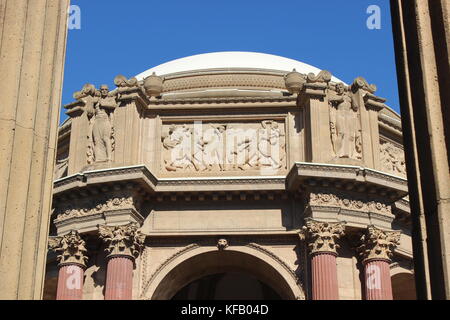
376	249
422	46
72	263
123	245
32	52
321	238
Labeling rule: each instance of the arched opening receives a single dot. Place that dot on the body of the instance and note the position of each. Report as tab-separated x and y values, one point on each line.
228	274
227	286
403	286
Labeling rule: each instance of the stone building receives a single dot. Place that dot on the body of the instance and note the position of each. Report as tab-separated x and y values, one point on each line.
230	175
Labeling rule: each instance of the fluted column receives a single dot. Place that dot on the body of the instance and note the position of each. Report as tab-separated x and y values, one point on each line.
376	249
123	247
72	262
321	238
32	50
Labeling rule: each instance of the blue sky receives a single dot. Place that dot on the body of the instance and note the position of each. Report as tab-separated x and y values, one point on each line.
129	37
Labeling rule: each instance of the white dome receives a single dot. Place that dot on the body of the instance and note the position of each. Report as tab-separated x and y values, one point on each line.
231	59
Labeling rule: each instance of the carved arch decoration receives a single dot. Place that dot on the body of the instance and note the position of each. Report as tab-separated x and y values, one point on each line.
176	271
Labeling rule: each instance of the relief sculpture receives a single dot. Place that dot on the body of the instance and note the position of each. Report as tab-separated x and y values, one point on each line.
218	147
345	124
392	158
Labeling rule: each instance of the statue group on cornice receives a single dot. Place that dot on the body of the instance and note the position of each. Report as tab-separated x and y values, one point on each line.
224	147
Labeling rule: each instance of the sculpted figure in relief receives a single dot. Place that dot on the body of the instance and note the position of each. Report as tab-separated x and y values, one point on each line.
213	141
392	158
178	143
345	125
269	146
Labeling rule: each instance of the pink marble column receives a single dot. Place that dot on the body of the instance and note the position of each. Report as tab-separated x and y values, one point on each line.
72	263
376	249
324	277
119	278
70	282
123	245
377	280
321	238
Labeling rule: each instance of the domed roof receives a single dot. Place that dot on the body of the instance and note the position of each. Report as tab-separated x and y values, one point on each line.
231	60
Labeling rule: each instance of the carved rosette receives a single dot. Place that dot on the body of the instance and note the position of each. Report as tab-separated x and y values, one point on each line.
124	240
377	244
322	236
70	248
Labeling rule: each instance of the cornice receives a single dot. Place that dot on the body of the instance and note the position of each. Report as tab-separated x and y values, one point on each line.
359	179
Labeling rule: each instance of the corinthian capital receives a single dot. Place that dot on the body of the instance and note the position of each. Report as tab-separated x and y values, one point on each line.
122	240
71	249
322	236
378	244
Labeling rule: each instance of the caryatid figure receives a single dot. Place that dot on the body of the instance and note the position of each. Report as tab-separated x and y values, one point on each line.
102	128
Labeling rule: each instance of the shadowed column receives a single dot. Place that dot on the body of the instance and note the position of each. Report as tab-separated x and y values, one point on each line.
376	250
123	246
32	51
321	238
72	262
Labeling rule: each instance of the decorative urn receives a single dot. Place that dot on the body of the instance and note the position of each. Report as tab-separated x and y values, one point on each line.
153	85
294	82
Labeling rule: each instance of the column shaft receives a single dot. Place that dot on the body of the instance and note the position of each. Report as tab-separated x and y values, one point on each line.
377	278
70	283
119	279
32	49
324	277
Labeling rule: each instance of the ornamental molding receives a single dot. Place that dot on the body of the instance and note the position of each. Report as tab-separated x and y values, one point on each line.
305	176
148	282
92	205
322	237
124	240
377	244
71	249
352	201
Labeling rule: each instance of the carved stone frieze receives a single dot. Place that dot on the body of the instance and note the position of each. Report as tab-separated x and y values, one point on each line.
322	236
392	158
124	240
217	147
378	244
70	249
346	200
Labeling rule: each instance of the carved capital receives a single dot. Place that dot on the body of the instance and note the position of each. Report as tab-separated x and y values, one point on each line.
322	236
70	248
124	240
378	244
